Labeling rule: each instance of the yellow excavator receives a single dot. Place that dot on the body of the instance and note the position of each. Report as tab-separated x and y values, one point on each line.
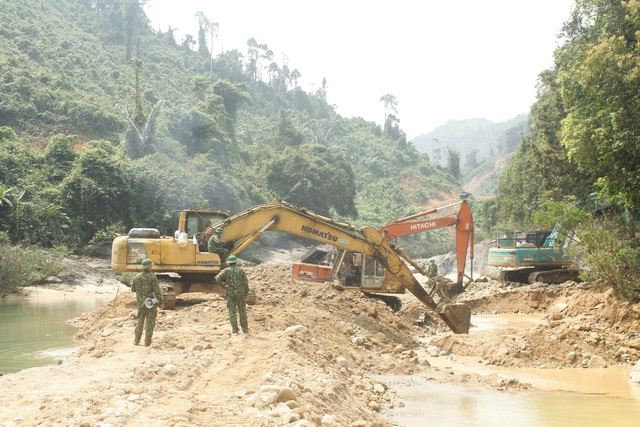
192	270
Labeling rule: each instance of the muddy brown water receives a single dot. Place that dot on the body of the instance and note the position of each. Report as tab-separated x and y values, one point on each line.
558	397
35	332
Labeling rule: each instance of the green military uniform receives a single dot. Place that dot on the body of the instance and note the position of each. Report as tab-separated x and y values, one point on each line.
432	270
145	285
234	281
217	246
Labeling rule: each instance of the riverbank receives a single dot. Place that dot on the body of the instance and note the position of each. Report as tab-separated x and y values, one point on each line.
316	355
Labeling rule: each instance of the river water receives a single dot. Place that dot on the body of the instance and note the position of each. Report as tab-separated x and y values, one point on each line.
558	397
34	332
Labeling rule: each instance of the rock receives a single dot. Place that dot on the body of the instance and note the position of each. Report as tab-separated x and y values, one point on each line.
634	377
398	349
374	405
170	369
342	362
139	389
329	421
557	308
287	395
358	340
295	329
597	362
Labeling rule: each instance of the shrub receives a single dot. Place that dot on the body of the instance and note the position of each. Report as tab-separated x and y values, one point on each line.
21	267
612	259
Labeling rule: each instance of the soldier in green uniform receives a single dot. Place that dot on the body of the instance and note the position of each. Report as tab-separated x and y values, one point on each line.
234	281
145	285
432	270
216	245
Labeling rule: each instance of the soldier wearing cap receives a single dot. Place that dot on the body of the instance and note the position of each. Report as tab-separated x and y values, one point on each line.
217	245
145	285
234	281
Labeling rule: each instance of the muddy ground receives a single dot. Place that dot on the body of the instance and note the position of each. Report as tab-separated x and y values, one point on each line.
312	356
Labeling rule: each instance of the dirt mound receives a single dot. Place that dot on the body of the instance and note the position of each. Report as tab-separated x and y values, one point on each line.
313	357
309	360
580	327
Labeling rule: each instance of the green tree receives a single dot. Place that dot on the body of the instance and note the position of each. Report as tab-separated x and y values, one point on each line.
16	160
209	28
59	157
98	191
234	95
471	160
390	106
134	20
453	164
540	169
600	79
310	176
287	135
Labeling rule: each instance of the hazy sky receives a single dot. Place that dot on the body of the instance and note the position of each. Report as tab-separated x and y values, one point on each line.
442	60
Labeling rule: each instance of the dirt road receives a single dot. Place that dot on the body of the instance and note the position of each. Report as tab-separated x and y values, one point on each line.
311	358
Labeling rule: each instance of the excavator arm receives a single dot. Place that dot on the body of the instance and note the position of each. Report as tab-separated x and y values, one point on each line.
246	226
463	222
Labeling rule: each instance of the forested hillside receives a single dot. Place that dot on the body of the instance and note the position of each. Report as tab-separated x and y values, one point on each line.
479	146
107	124
584	145
475	140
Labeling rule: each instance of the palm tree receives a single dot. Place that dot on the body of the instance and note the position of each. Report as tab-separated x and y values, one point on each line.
6	194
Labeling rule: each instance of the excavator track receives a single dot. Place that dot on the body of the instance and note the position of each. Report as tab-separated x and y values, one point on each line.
392	302
168	292
530	275
554	277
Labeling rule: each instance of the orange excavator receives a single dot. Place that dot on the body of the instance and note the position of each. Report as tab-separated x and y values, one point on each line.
316	265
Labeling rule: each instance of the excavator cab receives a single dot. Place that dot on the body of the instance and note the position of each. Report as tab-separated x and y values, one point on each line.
362	272
358	270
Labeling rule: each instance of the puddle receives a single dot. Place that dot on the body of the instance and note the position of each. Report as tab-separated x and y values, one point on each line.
558	397
503	321
430	403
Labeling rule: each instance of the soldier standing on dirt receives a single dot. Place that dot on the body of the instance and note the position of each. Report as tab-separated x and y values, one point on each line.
234	281
145	285
432	270
216	245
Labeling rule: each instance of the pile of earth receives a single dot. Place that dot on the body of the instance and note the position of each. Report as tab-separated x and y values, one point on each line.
313	356
580	327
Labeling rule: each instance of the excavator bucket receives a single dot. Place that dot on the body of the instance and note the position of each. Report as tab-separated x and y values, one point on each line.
457	316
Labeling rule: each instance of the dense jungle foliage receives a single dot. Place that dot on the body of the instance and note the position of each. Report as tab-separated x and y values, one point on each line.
107	124
584	140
